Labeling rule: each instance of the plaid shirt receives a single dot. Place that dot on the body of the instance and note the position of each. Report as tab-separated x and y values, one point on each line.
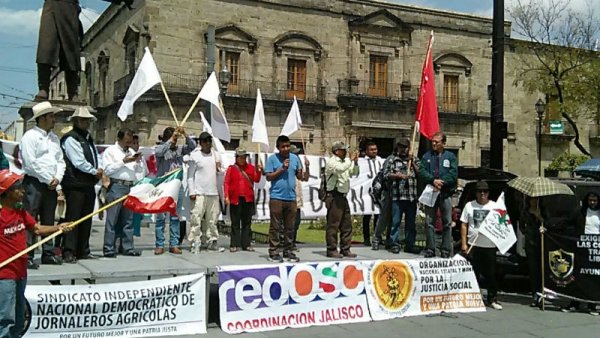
402	190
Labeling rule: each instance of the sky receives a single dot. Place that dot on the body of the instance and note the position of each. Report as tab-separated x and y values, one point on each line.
19	25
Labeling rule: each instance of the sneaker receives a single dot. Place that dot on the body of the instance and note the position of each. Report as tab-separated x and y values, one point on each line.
214	246
52	260
31	265
445	254
592	309
429	254
291	257
375	246
495	305
395	250
195	248
275	258
568	309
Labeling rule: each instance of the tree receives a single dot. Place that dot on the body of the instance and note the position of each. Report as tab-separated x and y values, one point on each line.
560	57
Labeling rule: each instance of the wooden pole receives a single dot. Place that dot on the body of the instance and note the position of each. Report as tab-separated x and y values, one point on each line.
472	244
72	225
543	268
412	147
162	86
187	115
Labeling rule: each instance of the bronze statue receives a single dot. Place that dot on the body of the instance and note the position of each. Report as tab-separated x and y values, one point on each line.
59	44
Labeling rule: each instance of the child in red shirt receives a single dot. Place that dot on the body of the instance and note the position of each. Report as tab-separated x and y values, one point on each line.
14	221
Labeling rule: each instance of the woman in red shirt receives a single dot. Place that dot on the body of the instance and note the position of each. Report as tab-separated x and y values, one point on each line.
238	188
14	223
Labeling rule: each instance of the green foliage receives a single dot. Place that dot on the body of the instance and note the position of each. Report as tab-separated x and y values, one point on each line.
567	162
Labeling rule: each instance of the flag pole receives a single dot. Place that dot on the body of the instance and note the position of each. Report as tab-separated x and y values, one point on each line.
473	244
189	112
72	225
162	86
420	112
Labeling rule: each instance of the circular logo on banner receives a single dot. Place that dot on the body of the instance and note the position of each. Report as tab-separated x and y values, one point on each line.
393	283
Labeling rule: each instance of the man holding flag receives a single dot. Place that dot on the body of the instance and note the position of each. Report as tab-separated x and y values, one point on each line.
484	250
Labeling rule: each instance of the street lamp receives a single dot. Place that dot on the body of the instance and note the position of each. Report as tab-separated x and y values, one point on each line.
540	107
224	79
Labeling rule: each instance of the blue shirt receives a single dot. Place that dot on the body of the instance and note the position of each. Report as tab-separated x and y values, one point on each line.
283	187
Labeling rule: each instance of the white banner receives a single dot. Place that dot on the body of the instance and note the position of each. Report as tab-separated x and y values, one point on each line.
498	228
401	288
162	307
359	197
256	298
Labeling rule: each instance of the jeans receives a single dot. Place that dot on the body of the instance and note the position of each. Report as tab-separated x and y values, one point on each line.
173	226
12	307
118	220
409	210
445	206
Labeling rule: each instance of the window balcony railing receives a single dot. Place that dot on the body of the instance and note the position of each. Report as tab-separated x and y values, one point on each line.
396	91
459	106
243	88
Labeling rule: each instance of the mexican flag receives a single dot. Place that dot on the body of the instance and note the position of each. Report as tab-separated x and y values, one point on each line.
155	195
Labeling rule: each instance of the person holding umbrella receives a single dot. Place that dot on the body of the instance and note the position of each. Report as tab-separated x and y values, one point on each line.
532	224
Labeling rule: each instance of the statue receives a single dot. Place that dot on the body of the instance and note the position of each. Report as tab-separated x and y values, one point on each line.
59	44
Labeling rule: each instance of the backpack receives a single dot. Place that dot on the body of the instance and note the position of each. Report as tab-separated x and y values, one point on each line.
378	186
323	186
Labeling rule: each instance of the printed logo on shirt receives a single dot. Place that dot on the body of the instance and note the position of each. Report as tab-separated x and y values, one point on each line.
478	217
446	163
11	230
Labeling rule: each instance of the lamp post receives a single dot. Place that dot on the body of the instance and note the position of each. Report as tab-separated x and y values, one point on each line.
224	79
540	107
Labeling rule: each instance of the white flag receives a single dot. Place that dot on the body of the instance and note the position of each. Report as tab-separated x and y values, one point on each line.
207	128
146	77
497	227
293	121
211	93
259	125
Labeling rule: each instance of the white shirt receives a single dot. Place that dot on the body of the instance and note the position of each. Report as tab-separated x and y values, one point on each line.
74	153
141	171
41	155
473	214
202	173
114	167
592	222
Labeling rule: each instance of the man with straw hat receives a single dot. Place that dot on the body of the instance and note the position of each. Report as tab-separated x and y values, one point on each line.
44	167
81	175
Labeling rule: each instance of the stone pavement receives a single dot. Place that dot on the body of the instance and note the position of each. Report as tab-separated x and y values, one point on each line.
515	321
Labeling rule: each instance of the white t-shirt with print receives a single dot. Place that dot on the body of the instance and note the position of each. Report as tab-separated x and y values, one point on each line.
592	222
473	214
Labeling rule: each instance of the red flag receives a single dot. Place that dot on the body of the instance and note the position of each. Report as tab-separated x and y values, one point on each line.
427	112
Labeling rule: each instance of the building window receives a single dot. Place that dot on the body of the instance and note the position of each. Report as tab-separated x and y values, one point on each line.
450	99
378	75
130	51
296	79
103	73
232	61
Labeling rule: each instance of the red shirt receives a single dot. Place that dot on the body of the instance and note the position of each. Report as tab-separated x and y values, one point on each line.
236	185
13	239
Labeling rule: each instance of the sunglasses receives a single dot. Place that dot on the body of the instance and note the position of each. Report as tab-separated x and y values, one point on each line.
482	191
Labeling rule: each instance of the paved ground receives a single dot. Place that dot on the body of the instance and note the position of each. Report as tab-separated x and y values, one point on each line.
516	320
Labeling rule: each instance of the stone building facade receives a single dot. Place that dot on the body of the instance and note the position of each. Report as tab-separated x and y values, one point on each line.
354	65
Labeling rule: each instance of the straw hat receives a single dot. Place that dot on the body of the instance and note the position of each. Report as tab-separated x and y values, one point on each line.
83	113
42	109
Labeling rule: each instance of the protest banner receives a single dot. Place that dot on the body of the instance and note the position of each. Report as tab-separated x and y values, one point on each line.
498	228
162	307
572	266
359	198
256	298
402	288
